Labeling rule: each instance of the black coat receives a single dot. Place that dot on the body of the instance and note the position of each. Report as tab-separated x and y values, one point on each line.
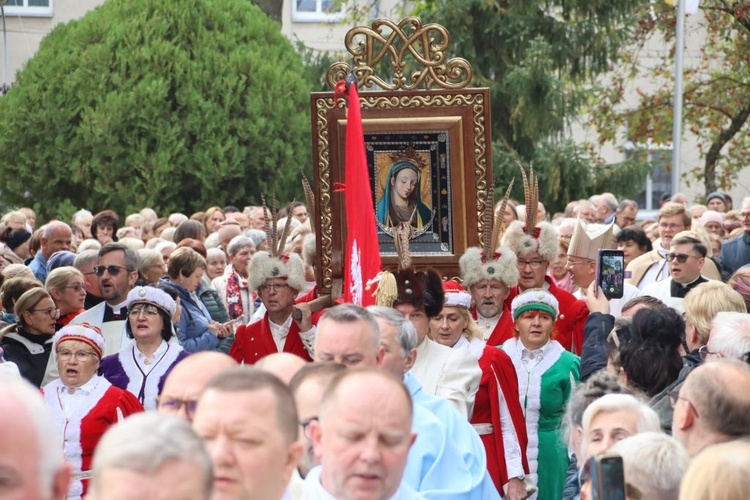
31	360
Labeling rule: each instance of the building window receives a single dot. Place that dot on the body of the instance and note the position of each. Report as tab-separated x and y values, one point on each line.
315	11
29	8
660	180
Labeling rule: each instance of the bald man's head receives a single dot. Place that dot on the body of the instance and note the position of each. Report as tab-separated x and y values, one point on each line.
282	364
187	380
717	391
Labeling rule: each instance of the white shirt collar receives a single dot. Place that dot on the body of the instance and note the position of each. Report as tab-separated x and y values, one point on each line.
280	332
535	354
142	357
85	389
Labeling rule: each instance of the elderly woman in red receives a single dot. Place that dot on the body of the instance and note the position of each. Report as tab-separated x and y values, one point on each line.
497	416
84	405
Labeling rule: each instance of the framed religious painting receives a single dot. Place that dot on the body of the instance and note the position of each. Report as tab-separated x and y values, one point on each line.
428	155
428	158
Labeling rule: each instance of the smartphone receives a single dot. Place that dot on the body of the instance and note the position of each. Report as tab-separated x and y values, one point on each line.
607	477
610	273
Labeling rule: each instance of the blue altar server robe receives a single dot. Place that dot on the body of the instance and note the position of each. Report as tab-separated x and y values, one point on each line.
447	459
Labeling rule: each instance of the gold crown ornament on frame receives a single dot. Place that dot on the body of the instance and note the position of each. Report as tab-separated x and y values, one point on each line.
413	48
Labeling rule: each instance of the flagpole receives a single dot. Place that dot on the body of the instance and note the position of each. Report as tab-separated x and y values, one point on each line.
677	113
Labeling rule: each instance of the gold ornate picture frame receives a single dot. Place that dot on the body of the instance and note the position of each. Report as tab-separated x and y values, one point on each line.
441	136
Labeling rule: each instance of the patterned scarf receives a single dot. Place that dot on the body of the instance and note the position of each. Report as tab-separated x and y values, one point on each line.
235	282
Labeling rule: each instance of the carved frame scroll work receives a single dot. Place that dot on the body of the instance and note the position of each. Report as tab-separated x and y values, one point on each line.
449	129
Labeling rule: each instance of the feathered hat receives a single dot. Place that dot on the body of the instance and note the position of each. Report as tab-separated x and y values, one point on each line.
274	263
588	239
531	235
421	289
491	262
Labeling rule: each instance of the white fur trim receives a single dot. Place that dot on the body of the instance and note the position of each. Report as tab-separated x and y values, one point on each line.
135	378
535	296
153	296
70	427
503	268
457	299
264	266
82	331
530	388
521	243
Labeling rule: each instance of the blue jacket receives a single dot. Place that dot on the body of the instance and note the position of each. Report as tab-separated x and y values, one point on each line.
192	328
38	266
735	253
448	459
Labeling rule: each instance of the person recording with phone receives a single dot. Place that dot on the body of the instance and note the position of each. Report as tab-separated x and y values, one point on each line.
583	256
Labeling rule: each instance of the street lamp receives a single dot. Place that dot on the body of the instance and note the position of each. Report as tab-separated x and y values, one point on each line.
4	87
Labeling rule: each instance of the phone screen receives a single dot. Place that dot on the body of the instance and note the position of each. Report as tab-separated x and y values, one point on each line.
611	479
611	273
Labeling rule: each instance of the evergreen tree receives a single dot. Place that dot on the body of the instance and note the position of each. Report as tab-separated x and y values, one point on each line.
172	104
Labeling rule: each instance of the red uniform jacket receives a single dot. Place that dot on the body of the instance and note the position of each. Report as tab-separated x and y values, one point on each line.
255	341
571	320
499	375
504	329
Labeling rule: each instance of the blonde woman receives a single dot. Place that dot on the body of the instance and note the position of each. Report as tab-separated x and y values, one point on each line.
497	415
68	289
28	343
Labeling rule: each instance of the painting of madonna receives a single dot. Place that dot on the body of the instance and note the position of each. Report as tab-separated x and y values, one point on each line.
401	200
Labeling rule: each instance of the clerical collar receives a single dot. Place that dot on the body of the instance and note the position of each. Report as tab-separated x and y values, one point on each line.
687	285
117	308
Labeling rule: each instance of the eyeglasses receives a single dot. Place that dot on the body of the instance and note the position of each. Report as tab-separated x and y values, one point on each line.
533	264
306	425
76	288
278	287
148	310
81	356
53	313
745	215
681	257
112	270
673	227
174	404
705	353
674	396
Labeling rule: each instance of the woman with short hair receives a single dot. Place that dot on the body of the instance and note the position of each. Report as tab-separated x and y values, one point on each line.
195	328
83	404
104	226
142	366
547	374
28	343
151	266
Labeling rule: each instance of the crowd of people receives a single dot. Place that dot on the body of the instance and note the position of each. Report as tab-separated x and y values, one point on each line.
187	357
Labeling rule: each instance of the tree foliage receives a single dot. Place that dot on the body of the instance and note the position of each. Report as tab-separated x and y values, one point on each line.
538	58
171	104
716	105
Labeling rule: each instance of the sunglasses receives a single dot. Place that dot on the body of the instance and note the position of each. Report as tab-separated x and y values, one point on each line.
681	257
112	270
